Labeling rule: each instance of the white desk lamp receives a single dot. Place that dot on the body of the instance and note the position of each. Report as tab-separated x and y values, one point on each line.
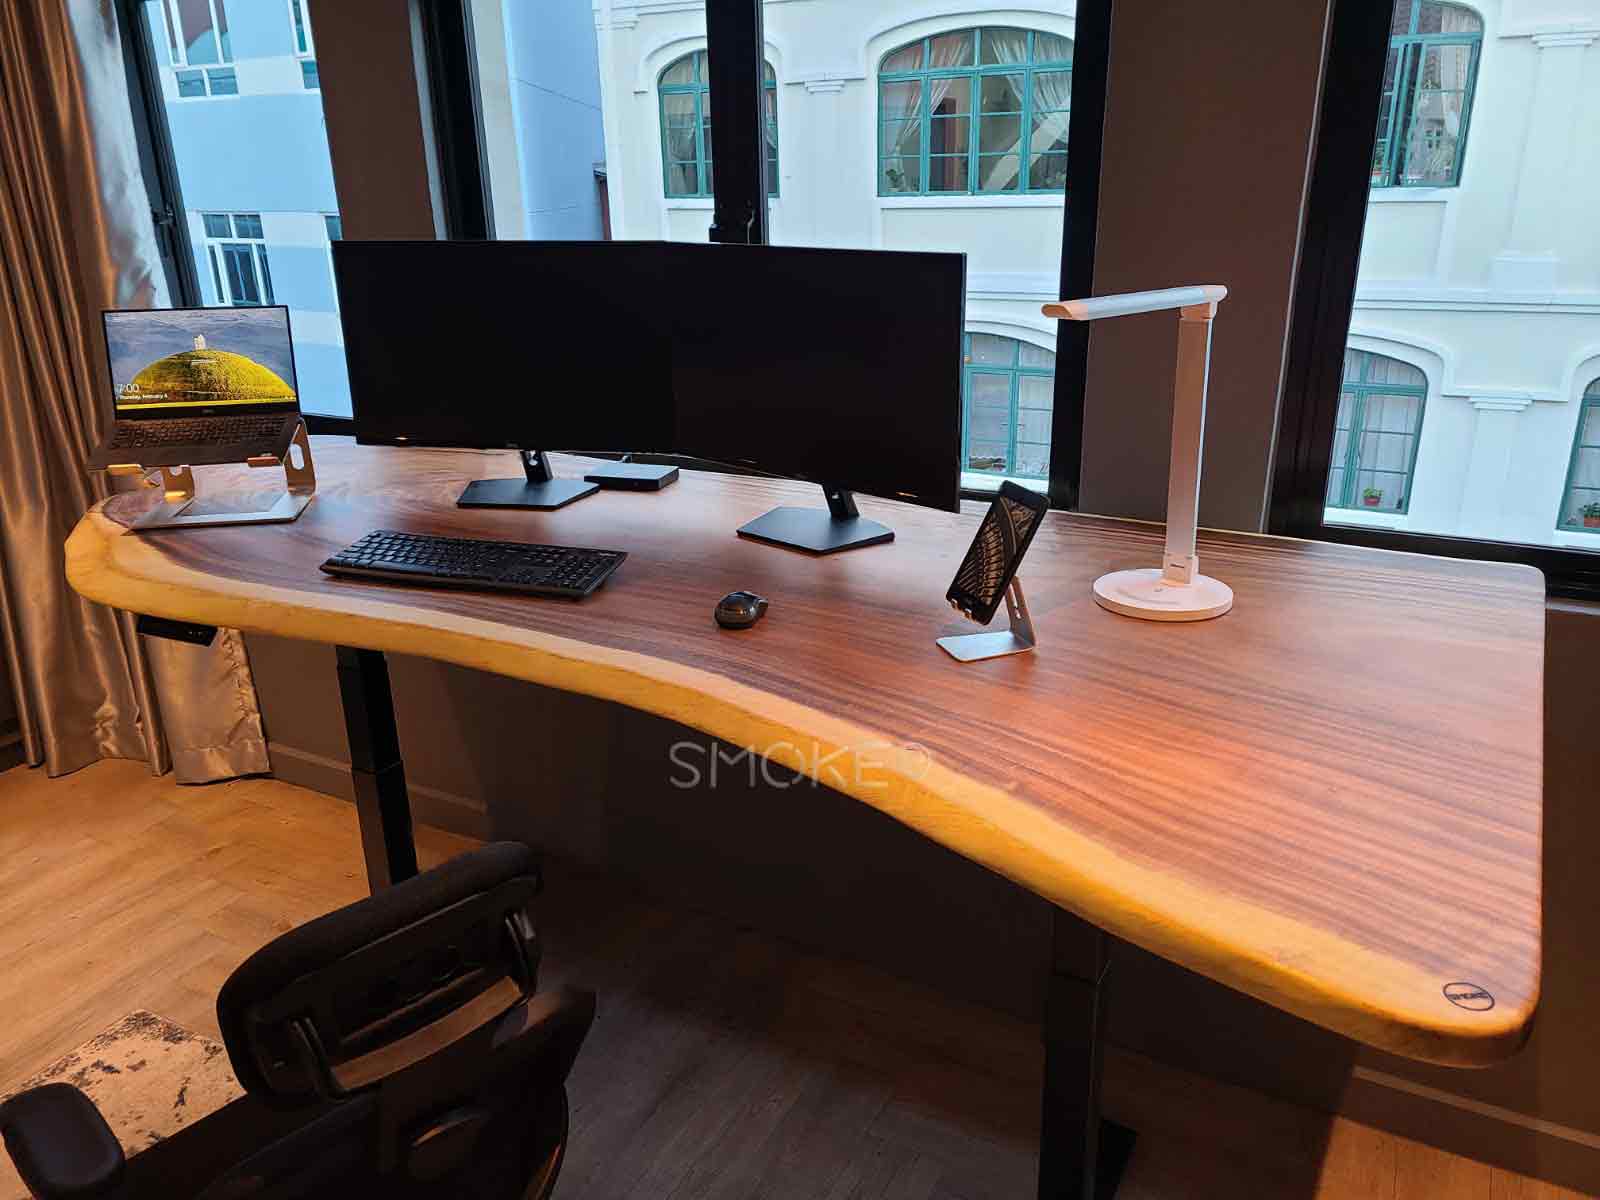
1175	591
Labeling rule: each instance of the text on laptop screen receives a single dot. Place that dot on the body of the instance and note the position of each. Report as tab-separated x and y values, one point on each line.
200	358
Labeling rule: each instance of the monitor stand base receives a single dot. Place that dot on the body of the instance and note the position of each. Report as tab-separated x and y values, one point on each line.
518	493
538	490
815	530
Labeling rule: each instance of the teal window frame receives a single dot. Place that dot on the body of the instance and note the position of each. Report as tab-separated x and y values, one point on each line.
976	72
1014	373
1398	105
1574	496
700	88
1359	390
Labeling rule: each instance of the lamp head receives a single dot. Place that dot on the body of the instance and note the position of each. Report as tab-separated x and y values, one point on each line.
1092	308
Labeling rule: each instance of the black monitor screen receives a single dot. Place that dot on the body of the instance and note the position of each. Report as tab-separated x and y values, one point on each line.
838	366
540	345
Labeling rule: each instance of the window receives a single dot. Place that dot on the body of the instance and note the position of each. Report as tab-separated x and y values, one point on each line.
685	94
1580	507
304	44
237	251
1427	94
1376	432
1500	466
1007	389
1018	83
196	34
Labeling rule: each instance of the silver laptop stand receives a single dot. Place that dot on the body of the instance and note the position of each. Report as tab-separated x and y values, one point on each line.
175	509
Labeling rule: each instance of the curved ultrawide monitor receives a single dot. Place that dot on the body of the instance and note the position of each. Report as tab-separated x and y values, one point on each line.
838	366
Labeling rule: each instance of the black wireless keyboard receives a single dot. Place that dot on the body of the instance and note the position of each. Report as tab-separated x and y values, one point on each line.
419	558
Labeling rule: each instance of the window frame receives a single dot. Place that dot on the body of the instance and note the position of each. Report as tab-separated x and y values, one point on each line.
1015	373
300	22
1588	401
220	249
1412	48
976	71
1323	300
207	73
1360	390
700	88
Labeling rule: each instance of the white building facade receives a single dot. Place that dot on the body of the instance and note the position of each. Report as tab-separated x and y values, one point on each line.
890	133
1473	387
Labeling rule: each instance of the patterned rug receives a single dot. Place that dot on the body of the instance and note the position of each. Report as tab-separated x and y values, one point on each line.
149	1078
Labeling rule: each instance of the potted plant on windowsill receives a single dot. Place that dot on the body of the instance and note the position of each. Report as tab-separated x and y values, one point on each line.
1371	497
1591	515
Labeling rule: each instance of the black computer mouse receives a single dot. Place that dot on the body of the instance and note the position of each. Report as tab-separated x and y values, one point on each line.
739	610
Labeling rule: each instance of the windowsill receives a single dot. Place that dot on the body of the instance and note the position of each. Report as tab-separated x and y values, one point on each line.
1363	519
705	203
1588	539
1411	195
1044	200
981	481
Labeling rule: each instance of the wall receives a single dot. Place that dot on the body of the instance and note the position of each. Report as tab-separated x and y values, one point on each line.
555	91
1202	182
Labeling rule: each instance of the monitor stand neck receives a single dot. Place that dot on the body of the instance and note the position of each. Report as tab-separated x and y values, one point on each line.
819	531
538	489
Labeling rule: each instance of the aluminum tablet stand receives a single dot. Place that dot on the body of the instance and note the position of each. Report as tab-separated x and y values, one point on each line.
972	647
171	512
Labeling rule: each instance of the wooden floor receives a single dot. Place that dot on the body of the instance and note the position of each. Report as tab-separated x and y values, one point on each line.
724	1063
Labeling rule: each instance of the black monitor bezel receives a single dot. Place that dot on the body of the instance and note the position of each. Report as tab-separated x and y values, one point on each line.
168	411
948	503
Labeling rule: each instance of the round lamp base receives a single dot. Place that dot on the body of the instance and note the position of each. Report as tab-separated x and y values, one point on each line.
1144	594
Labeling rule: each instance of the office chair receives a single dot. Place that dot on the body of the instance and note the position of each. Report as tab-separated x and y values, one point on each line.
395	1048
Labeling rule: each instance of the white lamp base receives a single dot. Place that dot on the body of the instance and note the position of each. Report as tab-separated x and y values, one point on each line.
1144	594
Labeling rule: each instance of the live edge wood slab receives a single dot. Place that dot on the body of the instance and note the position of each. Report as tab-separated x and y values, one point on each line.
1329	798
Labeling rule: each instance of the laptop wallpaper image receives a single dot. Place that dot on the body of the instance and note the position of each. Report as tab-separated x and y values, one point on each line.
201	358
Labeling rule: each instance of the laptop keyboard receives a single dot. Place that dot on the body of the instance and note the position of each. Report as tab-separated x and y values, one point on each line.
192	431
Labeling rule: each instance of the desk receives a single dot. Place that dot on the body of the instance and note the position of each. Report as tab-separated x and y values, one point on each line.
1329	799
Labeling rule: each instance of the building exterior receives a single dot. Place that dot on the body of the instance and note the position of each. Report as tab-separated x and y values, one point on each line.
1472	396
888	129
244	107
1479	288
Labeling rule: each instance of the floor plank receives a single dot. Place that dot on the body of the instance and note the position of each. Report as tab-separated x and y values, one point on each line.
722	1064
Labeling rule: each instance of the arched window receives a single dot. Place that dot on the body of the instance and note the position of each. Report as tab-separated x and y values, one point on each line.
1375	437
1427	94
1017	83
1008	388
1580	505
685	90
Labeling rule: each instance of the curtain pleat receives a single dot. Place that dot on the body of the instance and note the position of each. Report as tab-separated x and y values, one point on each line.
75	238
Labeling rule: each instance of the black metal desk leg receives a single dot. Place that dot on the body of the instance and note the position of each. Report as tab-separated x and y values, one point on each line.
1081	1157
382	806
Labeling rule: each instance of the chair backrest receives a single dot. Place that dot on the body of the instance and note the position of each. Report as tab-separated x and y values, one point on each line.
408	1024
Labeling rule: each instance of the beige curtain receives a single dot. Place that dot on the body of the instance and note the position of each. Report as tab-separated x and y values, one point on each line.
76	237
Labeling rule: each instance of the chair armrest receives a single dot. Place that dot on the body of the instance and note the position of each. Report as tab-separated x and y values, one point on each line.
61	1145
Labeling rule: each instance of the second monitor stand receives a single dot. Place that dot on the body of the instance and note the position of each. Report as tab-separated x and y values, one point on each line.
819	531
540	489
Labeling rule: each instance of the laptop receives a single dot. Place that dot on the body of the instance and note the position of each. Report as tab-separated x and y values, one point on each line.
191	386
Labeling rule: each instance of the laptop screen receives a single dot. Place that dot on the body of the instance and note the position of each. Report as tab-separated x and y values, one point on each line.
194	361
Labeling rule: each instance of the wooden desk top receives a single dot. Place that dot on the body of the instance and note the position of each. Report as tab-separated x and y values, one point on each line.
1329	798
